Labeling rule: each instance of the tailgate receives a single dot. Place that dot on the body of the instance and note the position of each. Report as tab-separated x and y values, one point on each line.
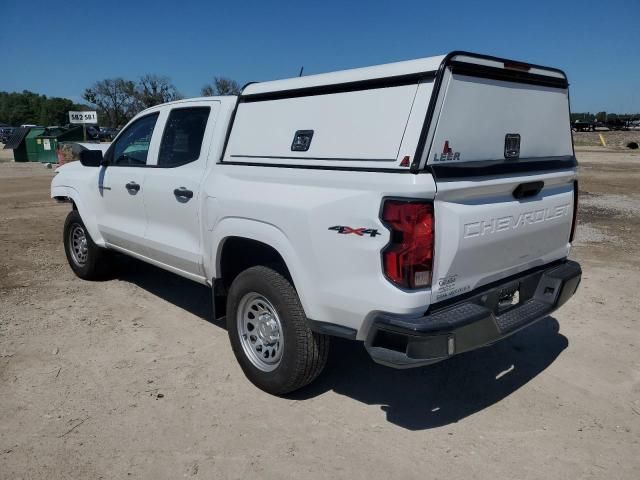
484	234
502	157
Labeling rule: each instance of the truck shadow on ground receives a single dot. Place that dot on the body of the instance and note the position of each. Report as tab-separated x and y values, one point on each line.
415	399
447	392
183	293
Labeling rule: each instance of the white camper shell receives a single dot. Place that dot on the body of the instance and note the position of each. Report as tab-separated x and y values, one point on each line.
376	117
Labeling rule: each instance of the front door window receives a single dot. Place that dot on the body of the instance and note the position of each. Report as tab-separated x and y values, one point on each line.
132	147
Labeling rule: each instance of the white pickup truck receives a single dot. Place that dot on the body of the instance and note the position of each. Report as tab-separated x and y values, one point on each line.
424	207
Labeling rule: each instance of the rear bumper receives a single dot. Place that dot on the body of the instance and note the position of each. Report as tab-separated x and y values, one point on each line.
476	321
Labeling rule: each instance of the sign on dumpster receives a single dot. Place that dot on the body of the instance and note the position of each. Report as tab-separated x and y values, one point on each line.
83	117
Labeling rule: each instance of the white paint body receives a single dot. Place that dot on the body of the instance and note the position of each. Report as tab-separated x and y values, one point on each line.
259	189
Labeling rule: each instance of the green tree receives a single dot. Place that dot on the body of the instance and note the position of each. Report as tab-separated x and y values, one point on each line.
28	107
55	111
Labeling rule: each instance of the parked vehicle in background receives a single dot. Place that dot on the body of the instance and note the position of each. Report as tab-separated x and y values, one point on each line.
107	134
368	204
5	133
583	126
93	132
617	124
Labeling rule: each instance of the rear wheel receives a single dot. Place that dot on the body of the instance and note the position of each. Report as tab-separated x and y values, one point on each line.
269	332
86	259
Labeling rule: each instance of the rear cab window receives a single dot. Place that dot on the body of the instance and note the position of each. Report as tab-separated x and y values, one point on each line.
183	134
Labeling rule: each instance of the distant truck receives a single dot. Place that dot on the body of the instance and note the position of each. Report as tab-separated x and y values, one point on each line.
368	204
583	126
617	124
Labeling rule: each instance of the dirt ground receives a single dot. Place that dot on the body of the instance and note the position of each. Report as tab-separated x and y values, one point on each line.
614	139
130	378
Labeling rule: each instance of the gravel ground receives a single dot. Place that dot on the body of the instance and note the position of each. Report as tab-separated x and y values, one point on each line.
131	378
5	155
615	139
627	206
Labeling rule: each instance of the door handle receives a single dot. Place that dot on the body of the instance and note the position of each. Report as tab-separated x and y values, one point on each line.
132	187
182	192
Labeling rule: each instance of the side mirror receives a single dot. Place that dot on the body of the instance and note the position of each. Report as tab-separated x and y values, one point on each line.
91	158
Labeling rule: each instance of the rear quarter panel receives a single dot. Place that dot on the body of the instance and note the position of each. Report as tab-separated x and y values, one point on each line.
338	275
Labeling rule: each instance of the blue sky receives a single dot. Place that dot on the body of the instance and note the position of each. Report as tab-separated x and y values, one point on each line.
60	48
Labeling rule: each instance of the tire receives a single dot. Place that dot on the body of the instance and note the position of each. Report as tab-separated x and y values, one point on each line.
284	354
86	259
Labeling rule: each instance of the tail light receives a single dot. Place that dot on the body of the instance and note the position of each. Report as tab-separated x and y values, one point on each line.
408	258
574	220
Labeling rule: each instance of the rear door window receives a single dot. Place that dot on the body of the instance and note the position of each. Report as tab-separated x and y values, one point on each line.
183	134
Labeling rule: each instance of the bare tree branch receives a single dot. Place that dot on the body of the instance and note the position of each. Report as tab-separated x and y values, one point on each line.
221	86
114	98
155	89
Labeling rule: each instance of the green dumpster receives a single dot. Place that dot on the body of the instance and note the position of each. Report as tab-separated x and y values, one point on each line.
47	142
23	143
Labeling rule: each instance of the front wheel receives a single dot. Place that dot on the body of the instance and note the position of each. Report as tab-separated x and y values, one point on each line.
269	332
86	259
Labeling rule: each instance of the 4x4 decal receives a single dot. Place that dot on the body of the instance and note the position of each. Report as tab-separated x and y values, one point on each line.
372	232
